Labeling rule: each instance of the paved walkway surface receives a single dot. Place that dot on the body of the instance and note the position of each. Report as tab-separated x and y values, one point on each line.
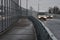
23	30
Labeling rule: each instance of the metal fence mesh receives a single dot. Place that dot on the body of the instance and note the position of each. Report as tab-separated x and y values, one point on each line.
9	13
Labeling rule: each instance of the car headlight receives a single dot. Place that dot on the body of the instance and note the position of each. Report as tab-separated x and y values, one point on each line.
45	17
51	15
39	17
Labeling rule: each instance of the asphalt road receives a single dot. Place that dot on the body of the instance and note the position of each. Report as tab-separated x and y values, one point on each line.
54	26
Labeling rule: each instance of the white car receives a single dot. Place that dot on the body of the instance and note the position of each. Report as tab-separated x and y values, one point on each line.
50	16
42	16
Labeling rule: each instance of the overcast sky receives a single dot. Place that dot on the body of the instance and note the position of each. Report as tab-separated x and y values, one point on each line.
43	4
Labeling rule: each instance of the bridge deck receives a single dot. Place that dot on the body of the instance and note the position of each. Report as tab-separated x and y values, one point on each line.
54	27
23	30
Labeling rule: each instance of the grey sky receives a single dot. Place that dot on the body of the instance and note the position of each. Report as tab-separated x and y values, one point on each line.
44	4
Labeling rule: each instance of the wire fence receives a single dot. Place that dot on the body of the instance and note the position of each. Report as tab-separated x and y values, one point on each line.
9	13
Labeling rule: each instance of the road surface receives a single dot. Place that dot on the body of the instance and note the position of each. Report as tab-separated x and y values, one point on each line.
54	26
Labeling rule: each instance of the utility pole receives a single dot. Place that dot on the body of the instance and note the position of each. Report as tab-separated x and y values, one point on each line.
26	7
38	5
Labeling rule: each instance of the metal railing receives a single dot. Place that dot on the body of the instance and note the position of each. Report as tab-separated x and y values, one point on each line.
9	13
42	32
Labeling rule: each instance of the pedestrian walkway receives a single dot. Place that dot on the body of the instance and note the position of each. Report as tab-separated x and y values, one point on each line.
22	30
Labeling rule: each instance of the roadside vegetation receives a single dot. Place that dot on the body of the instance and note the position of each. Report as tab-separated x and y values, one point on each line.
54	10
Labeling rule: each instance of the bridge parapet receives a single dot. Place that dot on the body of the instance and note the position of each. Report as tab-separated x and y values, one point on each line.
43	33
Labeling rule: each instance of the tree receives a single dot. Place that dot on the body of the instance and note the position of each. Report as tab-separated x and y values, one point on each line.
55	9
50	10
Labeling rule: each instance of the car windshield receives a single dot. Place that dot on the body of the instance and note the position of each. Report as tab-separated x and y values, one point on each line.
42	14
